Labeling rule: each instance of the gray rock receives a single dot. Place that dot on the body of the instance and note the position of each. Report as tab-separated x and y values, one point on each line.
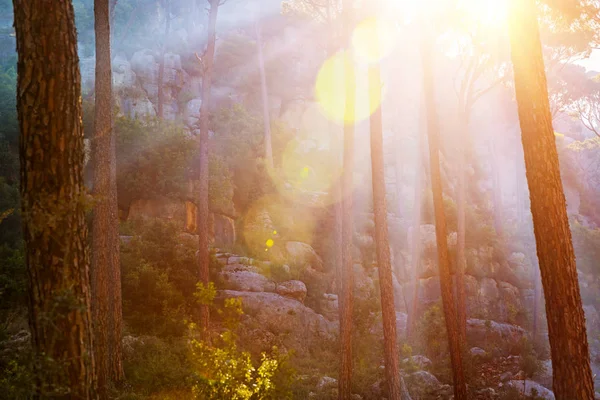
482	333
299	327
422	383
421	362
542	392
477	352
326	383
292	289
329	306
303	253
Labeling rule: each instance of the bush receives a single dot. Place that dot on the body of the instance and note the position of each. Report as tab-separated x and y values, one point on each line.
159	278
152	365
222	371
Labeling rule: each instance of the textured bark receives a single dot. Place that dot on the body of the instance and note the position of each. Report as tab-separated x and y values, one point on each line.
52	194
105	268
384	265
203	212
572	375
346	304
460	389
415	251
265	97
161	66
461	260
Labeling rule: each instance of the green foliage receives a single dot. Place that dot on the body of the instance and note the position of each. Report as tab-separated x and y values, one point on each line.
13	277
152	364
586	242
158	268
205	295
222	371
153	159
16	380
432	341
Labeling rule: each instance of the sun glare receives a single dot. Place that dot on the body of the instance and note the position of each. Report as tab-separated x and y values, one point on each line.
374	39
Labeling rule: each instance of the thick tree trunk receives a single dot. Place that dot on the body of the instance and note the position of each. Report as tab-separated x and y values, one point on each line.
384	265
460	388
347	300
53	193
203	212
265	97
572	375
106	269
161	66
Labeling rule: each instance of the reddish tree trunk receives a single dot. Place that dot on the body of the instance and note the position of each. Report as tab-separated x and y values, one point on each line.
106	269
572	375
203	211
52	199
460	388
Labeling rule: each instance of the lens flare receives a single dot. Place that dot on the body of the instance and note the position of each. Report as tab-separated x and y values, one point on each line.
374	39
330	90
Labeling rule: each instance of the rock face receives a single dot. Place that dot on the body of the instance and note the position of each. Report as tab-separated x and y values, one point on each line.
299	327
158	208
484	333
303	253
530	386
292	289
223	230
422	384
244	278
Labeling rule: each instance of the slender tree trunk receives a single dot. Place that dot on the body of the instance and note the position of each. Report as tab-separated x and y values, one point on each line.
572	375
460	388
106	269
52	199
161	66
384	266
346	306
265	97
497	188
461	260
415	251
203	211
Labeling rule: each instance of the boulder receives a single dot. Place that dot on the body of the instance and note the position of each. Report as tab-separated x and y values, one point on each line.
292	289
192	112
544	375
302	253
477	352
529	386
329	306
326	383
299	327
422	384
484	333
122	74
245	280
421	362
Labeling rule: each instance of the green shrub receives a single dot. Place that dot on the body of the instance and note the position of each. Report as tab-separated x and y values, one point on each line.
153	364
161	271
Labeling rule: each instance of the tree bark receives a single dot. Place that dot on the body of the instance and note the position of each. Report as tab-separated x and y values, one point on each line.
52	199
461	260
415	251
572	375
265	97
106	269
384	265
347	300
460	389
203	211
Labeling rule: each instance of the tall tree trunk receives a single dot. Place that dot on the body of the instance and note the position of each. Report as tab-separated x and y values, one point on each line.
106	269
52	199
265	96
161	66
347	300
203	211
415	251
497	185
384	265
461	260
572	375
460	388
